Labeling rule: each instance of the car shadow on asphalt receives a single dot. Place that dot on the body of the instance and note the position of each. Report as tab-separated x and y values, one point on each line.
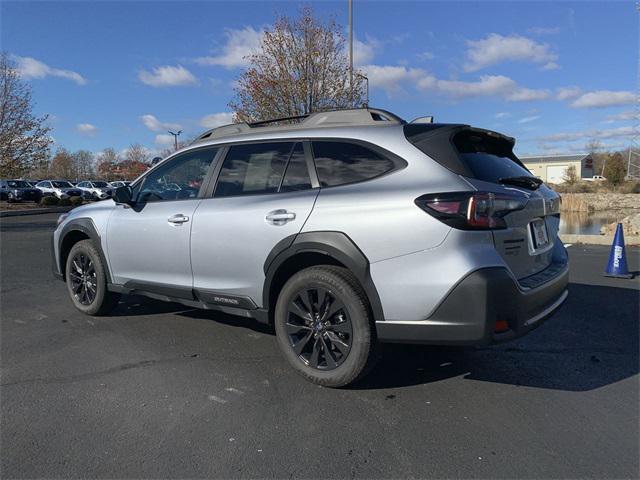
592	341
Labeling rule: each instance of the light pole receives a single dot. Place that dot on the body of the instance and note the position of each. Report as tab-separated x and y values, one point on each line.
366	79
175	137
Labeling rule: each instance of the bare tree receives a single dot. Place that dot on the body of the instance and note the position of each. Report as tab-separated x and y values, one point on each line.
596	150
300	68
62	165
83	164
106	162
24	138
137	153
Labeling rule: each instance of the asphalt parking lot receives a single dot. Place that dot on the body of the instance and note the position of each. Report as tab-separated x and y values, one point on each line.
159	390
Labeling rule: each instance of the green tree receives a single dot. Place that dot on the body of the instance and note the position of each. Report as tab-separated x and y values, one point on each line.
301	67
615	169
570	176
24	138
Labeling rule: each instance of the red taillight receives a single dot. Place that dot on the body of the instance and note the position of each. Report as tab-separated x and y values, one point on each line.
472	210
501	326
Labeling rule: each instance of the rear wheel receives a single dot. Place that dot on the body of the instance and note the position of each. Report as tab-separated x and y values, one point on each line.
11	198
324	327
87	281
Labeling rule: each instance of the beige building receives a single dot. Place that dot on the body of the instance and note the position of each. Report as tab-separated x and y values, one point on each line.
552	169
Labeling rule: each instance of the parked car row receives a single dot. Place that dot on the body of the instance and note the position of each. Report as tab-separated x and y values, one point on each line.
31	190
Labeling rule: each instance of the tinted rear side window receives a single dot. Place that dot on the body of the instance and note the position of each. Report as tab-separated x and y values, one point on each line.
253	169
338	163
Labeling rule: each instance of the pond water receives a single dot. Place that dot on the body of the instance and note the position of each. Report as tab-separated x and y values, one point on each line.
589	223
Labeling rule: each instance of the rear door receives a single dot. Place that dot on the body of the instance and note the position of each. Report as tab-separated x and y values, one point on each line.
263	195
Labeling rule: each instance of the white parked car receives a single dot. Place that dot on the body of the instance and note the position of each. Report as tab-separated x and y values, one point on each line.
100	190
58	188
595	178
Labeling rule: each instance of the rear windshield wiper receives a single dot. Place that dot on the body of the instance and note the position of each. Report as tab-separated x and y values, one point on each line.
532	183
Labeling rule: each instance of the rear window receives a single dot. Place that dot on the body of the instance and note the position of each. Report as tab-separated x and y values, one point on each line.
488	158
473	153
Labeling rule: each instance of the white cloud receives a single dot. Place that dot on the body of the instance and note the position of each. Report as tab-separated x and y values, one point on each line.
593	133
155	125
496	49
604	98
168	76
86	129
216	119
544	30
621	117
164	140
393	79
425	56
488	85
522	94
502	115
363	52
30	68
390	77
568	93
240	44
532	118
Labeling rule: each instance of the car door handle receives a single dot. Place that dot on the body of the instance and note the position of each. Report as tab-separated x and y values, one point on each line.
279	217
178	218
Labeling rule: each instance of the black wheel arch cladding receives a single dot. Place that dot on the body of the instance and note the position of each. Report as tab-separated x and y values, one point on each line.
337	247
87	228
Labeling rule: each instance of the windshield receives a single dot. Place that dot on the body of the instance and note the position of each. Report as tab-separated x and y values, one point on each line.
18	184
59	184
99	184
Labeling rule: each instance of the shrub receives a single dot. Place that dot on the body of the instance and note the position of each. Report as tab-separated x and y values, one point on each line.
630	187
64	202
76	201
49	201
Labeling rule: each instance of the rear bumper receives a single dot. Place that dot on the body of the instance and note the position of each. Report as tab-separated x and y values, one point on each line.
468	314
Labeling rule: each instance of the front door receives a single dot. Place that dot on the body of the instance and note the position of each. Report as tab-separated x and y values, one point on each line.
263	195
148	243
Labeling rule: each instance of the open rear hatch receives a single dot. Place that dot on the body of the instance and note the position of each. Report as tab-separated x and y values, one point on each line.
521	212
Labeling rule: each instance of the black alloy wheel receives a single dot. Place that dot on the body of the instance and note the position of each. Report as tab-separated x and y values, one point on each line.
319	328
84	282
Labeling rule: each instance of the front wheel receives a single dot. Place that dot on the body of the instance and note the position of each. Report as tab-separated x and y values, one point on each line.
87	281
324	326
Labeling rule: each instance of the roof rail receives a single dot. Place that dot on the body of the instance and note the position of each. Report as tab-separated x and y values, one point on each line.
329	118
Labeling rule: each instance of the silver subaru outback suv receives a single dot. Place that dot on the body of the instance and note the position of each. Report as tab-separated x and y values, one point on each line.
343	230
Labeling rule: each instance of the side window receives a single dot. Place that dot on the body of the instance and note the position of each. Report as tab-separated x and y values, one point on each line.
253	169
338	163
81	185
46	184
179	179
296	176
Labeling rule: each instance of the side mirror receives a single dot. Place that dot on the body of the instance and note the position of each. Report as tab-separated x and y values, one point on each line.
123	195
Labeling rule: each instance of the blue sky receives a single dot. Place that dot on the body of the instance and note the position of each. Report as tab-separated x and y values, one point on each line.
554	75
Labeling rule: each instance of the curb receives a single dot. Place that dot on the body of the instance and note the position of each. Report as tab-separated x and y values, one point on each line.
598	239
34	211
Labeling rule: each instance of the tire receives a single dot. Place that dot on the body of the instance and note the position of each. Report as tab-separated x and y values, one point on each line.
340	327
90	297
10	198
